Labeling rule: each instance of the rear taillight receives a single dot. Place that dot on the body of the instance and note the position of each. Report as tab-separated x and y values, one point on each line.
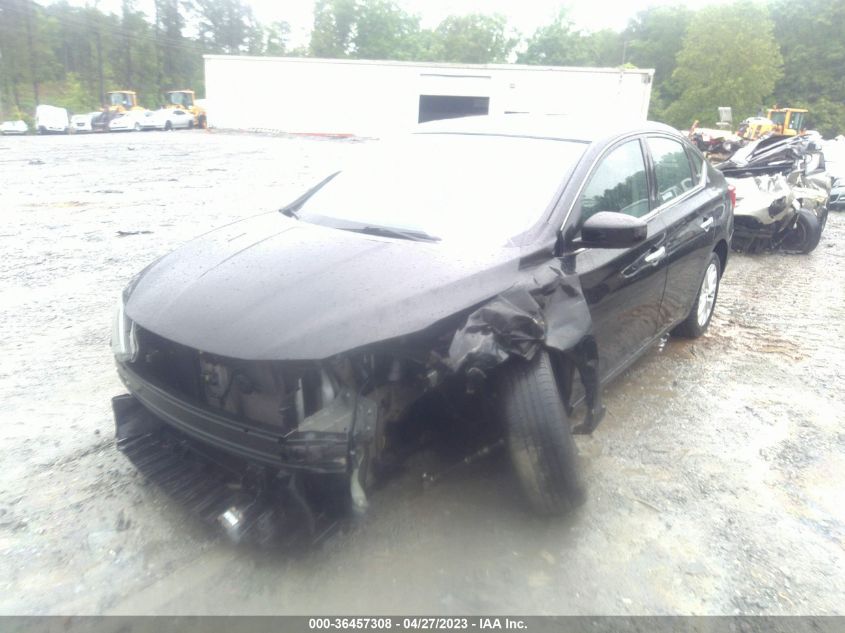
732	196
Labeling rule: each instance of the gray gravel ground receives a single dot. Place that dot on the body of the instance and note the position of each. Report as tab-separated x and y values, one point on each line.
715	482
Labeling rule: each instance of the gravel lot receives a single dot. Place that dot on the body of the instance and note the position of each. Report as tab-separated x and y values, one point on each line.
715	482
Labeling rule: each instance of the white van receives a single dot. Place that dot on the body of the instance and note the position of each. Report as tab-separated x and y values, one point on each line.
51	119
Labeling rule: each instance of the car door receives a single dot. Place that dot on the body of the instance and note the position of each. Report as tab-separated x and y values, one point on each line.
688	212
623	286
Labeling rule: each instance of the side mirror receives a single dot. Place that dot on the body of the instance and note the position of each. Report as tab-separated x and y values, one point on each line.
608	229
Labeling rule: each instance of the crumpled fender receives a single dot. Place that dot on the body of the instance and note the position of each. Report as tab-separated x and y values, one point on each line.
547	309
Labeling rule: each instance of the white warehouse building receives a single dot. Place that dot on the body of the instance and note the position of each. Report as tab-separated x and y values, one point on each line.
372	98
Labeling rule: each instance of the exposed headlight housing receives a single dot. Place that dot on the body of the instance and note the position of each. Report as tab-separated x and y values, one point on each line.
124	339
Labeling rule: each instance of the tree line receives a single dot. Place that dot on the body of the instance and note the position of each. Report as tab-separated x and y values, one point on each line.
745	55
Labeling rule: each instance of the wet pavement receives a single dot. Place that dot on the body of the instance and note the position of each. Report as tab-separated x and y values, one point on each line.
714	482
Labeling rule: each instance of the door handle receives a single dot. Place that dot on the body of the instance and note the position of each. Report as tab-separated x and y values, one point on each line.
656	256
707	223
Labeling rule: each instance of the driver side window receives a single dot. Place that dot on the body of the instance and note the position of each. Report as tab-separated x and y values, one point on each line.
618	184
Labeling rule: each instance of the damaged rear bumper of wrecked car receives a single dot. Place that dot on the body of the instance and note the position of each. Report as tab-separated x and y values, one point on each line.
320	444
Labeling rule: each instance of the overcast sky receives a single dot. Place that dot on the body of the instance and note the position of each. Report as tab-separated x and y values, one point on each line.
523	15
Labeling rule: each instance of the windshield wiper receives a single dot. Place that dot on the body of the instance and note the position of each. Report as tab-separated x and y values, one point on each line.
291	209
386	231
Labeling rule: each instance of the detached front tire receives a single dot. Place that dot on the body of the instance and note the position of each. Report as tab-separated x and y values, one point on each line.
806	234
539	438
702	310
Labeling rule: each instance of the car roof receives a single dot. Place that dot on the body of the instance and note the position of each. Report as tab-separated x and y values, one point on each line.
554	127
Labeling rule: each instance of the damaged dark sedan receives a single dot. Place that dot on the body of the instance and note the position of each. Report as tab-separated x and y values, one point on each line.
520	263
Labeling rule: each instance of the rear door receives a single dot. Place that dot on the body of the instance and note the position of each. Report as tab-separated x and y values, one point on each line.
623	287
688	214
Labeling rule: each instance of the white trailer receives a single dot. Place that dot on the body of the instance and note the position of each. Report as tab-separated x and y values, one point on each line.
372	98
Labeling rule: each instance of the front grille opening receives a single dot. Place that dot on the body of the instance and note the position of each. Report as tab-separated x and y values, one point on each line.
279	394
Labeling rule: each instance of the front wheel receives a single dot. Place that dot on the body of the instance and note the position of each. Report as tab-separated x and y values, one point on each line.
137	127
805	235
702	310
539	439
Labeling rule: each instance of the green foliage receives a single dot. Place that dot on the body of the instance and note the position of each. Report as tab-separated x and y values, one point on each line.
742	55
276	39
729	58
366	29
474	39
810	34
608	48
74	96
225	26
654	38
334	28
826	115
381	29
385	31
560	43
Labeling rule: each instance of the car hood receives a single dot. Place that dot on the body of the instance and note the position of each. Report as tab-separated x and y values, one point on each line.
273	288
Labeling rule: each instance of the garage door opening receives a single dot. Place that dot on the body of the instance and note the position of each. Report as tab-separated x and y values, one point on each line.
434	107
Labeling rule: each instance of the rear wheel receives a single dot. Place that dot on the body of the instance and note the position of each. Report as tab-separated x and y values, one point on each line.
702	310
190	125
137	127
168	126
539	439
805	235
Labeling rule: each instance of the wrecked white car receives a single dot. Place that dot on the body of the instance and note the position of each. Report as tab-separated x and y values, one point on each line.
782	192
503	267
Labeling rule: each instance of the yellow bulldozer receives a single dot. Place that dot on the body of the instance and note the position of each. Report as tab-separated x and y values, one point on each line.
115	104
186	100
786	121
122	101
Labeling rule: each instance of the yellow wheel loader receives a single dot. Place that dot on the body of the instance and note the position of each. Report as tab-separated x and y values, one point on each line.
116	103
185	100
785	121
122	101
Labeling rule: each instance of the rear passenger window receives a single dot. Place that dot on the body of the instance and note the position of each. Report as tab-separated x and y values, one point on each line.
618	184
671	168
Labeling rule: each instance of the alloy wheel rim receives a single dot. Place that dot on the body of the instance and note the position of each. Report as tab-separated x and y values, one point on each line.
707	296
796	237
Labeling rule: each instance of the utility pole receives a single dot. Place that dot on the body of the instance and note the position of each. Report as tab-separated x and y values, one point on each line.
2	85
31	48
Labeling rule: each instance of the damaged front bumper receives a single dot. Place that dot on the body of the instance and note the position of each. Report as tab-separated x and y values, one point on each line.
249	502
767	207
321	444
